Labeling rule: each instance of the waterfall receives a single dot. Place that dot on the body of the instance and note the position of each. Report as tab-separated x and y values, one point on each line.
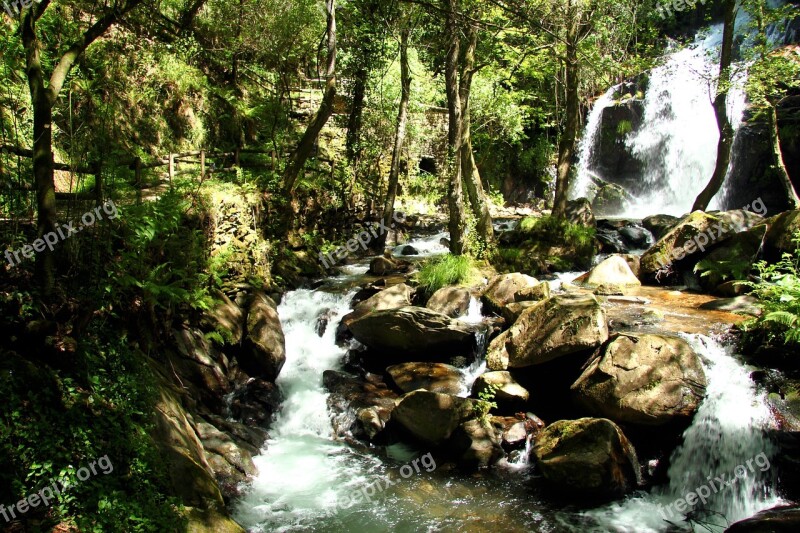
582	185
726	439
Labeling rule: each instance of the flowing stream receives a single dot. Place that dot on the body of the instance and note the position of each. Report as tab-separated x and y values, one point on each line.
307	477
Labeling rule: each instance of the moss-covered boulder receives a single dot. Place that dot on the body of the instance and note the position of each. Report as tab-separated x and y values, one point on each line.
587	457
781	232
643	379
550	329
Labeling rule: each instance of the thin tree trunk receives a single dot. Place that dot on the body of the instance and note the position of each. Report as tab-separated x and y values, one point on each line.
356	114
399	139
566	148
469	171
306	144
455	201
721	111
43	98
783	174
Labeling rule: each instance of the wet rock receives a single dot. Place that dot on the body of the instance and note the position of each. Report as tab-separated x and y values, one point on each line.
264	347
255	402
450	301
659	225
512	311
323	320
412	331
433	377
409	250
231	460
643	379
613	271
636	237
776	520
432	417
368	398
383	265
504	289
475	444
589	457
556	327
508	393
607	289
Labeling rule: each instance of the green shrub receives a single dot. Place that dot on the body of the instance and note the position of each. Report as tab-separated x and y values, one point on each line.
445	271
778	293
558	231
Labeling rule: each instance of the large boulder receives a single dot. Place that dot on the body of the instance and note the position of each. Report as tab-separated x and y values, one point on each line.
508	393
450	301
732	260
611	199
613	271
385	265
781	232
392	298
264	347
697	231
553	328
643	379
432	417
588	457
411	331
505	289
433	377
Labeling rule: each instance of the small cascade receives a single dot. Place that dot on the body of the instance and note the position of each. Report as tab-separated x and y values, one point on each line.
725	456
582	185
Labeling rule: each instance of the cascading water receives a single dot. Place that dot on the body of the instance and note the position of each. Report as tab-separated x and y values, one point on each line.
726	437
583	181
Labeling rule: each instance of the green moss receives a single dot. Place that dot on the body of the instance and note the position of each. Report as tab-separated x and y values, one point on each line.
445	271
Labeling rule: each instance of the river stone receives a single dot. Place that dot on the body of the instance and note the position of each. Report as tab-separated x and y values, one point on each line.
369	398
475	444
643	379
412	331
507	391
433	377
432	417
612	271
450	301
264	347
383	265
679	242
587	457
748	305
512	311
553	328
504	289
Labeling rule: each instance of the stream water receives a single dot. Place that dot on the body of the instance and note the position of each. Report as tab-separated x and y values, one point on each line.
307	477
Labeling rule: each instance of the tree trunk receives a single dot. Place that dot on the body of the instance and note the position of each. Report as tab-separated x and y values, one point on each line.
399	139
306	144
566	147
454	193
721	111
356	114
469	171
780	166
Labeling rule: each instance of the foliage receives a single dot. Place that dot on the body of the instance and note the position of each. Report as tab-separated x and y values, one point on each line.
57	421
551	229
445	271
485	402
779	296
733	269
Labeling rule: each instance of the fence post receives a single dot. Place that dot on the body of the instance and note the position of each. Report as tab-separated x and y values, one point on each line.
171	168
202	165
